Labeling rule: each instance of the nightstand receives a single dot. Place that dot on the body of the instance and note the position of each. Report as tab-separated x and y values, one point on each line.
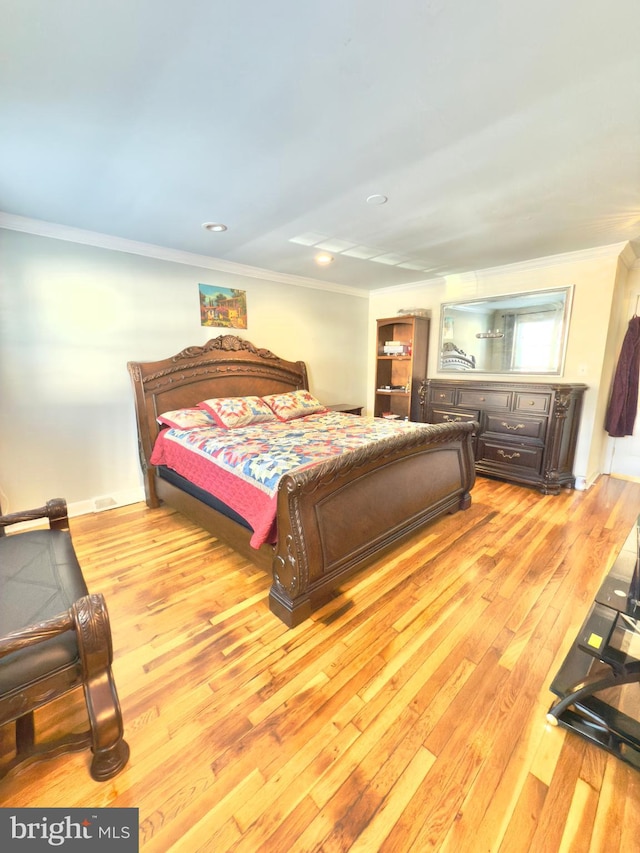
347	408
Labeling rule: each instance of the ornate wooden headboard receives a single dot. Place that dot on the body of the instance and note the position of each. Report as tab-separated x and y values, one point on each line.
226	366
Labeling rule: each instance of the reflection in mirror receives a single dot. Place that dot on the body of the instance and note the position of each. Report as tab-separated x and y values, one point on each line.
515	333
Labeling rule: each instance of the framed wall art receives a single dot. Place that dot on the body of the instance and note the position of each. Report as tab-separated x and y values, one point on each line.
222	306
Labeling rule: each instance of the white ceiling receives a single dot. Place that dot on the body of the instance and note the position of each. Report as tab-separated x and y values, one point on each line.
499	130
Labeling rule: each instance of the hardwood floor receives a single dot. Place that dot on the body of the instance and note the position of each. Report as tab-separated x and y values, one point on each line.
407	715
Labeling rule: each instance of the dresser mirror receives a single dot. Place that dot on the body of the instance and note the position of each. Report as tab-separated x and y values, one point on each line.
513	333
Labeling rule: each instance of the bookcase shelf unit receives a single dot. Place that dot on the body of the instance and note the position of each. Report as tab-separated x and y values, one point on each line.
402	344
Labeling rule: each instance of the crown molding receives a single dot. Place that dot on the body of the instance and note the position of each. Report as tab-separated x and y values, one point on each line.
627	251
40	228
630	257
611	251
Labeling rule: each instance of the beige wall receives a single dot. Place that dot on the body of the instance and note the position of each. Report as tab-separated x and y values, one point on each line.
72	315
597	281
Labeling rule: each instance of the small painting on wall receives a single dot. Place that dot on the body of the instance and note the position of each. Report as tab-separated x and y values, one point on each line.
223	306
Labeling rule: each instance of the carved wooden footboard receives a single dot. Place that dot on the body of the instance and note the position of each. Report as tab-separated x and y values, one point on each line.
335	517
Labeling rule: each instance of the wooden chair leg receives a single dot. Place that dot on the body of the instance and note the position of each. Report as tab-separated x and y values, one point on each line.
28	751
110	750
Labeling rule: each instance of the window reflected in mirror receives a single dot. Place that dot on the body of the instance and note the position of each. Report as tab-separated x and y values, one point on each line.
515	333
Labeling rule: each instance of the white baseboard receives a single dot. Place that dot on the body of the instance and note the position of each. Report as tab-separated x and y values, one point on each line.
100	503
97	504
628	477
585	481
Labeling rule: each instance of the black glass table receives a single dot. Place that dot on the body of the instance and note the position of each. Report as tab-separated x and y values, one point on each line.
598	684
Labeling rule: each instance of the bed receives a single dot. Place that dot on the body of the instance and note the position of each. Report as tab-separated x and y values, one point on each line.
331	517
453	358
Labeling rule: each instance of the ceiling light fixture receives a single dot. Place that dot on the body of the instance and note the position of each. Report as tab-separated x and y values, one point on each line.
214	226
377	198
323	259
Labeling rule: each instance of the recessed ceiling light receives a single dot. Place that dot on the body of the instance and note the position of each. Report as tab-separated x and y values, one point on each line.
323	259
376	198
214	226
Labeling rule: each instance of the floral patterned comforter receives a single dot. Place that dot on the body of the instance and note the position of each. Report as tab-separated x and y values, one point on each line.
243	466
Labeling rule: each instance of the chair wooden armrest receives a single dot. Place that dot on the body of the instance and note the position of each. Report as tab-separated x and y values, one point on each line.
33	634
55	510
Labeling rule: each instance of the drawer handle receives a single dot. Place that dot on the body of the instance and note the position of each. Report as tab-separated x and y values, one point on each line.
442	396
532	402
483	399
508	455
452	420
508	426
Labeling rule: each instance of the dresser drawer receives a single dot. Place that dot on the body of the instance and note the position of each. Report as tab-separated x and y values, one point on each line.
484	399
514	426
451	416
532	403
510	456
517	439
441	396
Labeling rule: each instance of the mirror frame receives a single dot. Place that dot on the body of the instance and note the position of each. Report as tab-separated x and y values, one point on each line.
502	301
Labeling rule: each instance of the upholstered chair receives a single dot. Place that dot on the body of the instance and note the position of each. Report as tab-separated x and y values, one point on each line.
54	637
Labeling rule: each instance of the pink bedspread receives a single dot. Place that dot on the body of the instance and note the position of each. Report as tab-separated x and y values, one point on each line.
243	467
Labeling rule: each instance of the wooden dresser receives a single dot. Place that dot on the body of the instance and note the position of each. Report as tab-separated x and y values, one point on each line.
527	431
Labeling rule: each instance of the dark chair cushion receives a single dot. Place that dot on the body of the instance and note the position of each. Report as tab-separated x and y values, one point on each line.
40	578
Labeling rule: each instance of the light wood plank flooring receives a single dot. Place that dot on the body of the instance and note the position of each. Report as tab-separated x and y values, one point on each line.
407	715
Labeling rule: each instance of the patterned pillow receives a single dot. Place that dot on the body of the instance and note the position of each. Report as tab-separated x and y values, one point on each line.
293	404
186	419
231	412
